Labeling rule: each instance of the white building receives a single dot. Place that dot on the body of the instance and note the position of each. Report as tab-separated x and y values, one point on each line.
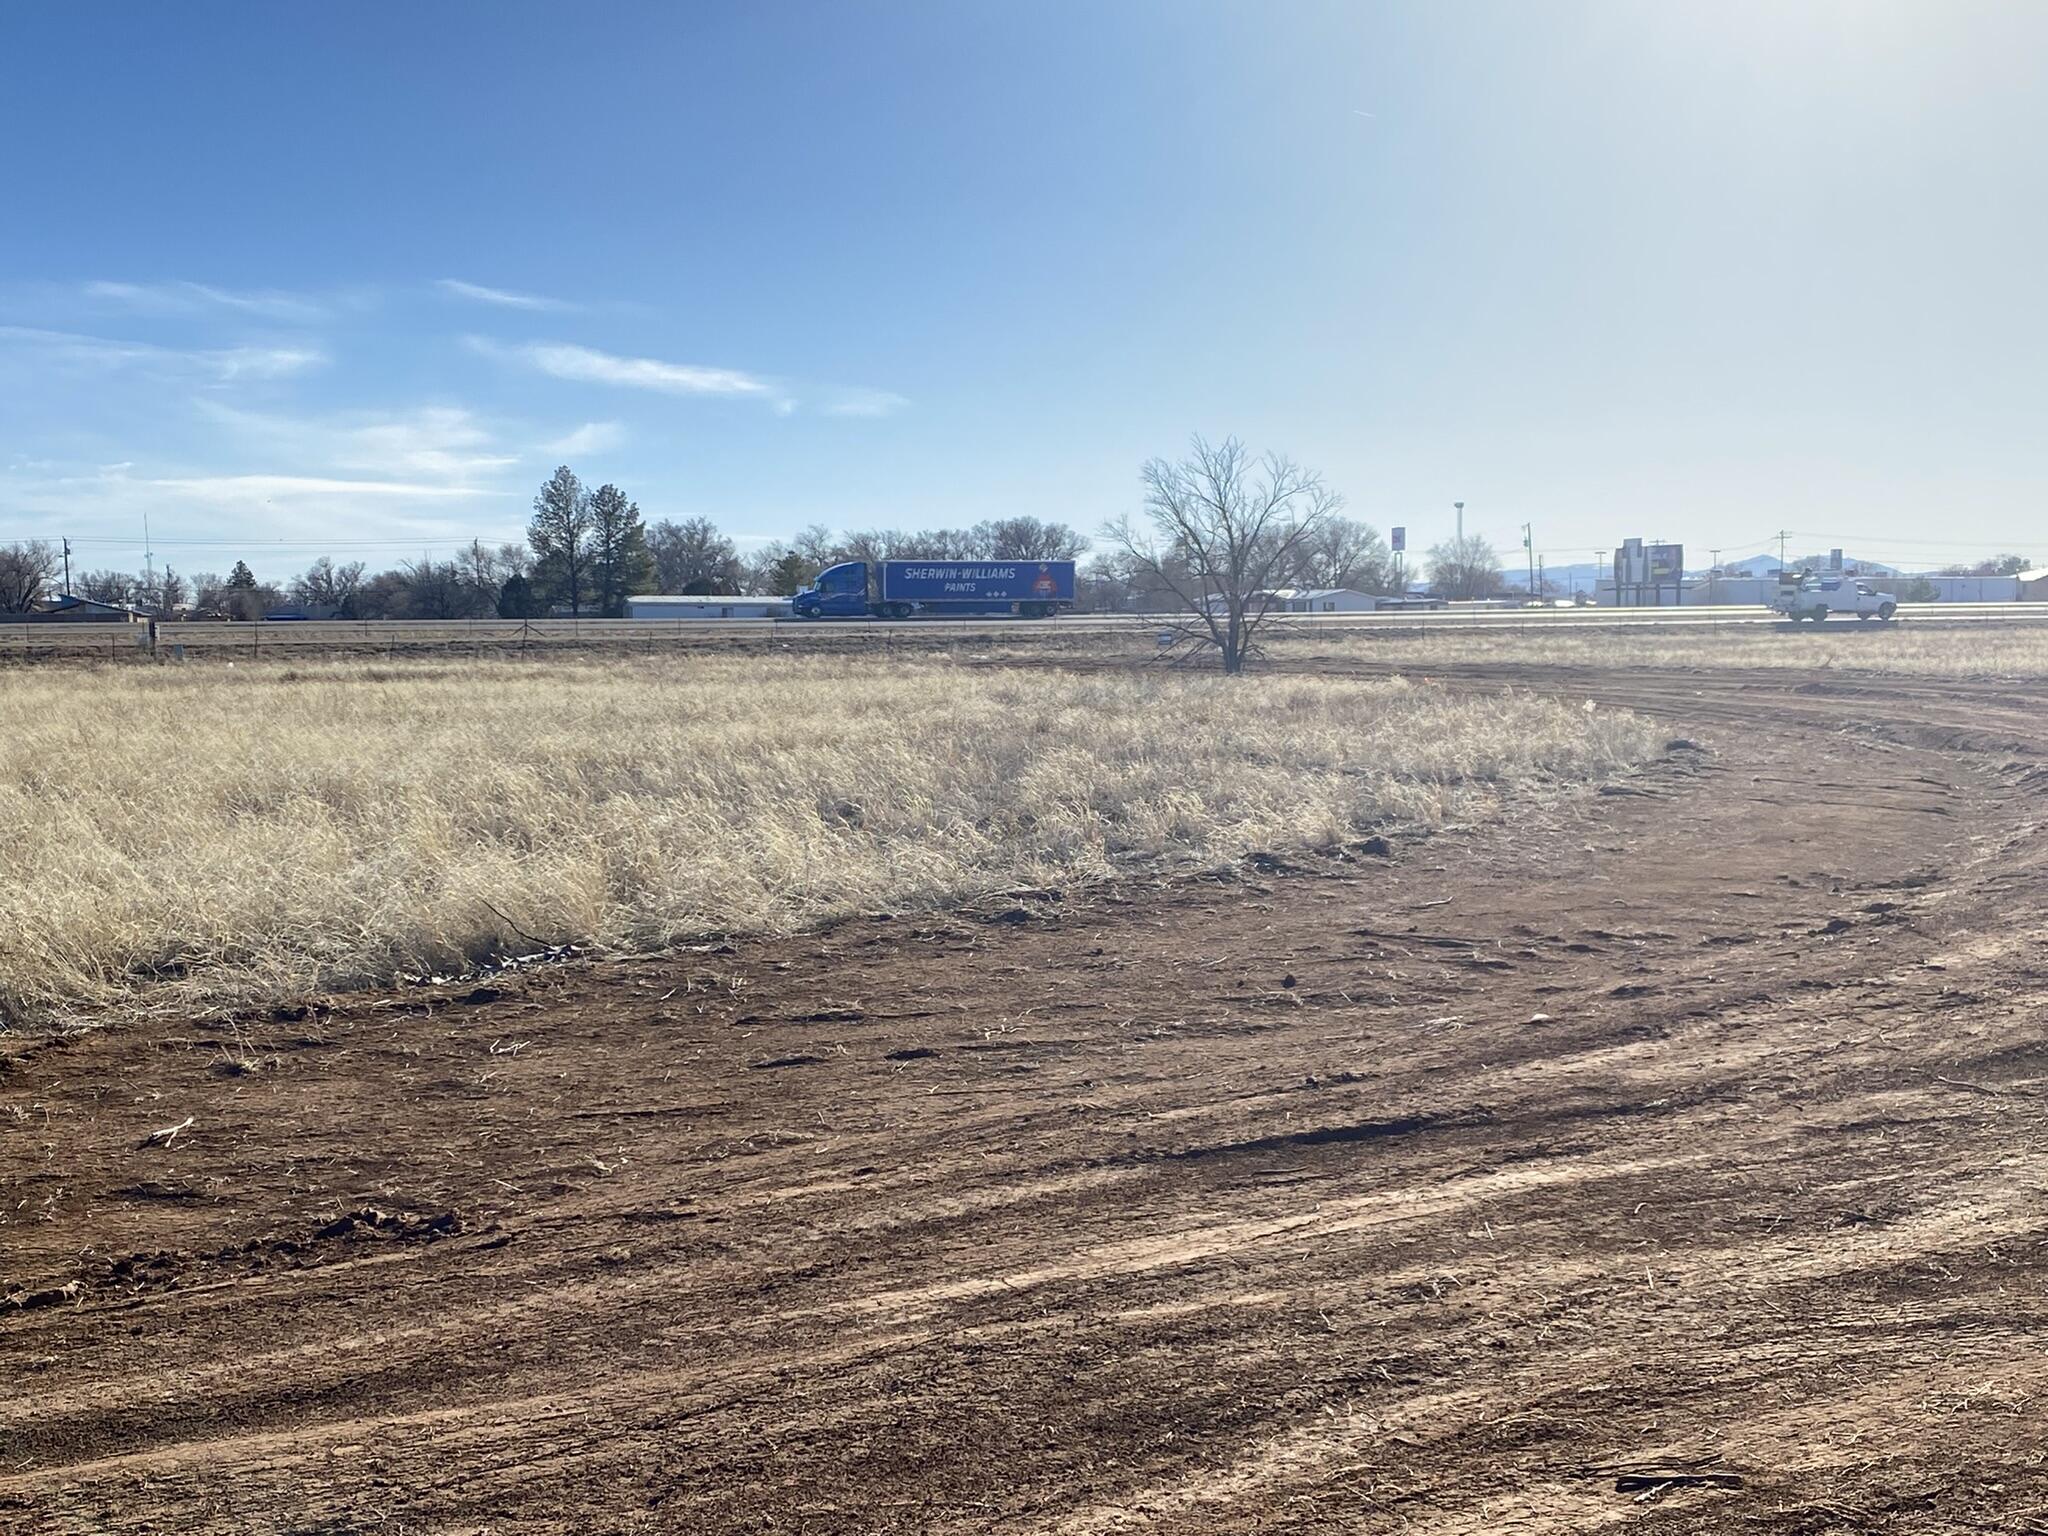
1309	600
1974	589
707	607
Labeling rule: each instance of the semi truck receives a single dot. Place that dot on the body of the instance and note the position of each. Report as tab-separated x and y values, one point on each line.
905	589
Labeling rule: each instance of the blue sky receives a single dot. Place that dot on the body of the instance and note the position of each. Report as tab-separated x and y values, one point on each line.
356	278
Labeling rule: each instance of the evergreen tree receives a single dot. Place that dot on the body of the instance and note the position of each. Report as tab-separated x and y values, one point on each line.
244	598
620	563
560	536
790	574
516	599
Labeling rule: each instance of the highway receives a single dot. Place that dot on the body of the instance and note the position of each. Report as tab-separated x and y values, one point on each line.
1920	615
177	639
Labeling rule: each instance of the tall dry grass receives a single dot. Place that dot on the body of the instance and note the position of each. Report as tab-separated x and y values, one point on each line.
1902	649
220	836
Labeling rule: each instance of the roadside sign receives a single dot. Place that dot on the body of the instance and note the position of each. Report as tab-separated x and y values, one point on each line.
1400	540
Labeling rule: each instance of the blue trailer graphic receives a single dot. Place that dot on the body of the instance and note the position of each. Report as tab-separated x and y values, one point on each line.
902	589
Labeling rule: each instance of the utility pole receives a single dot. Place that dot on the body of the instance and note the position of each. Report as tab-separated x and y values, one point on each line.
148	558
67	567
1714	578
1781	553
1529	546
1600	559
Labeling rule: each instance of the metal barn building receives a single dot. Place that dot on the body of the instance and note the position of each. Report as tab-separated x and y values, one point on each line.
726	607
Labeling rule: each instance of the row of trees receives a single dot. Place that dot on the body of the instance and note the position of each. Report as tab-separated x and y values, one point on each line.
1209	527
588	551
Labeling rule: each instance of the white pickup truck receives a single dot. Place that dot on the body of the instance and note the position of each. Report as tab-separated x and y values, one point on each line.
1816	596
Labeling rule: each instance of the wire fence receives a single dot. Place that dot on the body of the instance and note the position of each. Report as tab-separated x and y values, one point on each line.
178	639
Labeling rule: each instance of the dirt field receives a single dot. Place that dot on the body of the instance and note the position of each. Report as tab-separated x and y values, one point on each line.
1506	1184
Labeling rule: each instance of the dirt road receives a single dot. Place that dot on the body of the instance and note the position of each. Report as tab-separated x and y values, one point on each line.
1689	1138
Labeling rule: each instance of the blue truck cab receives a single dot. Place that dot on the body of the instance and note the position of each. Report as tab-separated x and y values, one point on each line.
903	589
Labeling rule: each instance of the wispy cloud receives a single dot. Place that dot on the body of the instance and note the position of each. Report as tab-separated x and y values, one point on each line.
591	437
438	442
504	298
183	298
68	348
865	402
242	512
257	488
587	365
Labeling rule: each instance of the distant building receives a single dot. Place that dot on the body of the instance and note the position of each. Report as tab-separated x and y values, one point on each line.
1976	589
1310	600
71	609
653	607
2033	586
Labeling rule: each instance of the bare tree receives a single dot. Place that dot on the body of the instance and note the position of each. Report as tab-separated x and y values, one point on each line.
939	544
693	557
1027	538
1344	552
164	594
1464	568
437	589
1105	585
116	587
2001	565
481	574
1220	529
327	585
25	570
209	595
818	546
868	544
777	570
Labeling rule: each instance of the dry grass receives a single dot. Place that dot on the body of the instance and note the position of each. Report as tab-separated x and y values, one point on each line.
1848	645
222	836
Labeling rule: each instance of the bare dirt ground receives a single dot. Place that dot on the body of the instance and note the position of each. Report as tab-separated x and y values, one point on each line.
1675	1161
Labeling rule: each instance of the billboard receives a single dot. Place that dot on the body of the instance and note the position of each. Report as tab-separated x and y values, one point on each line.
1399	540
978	581
1648	574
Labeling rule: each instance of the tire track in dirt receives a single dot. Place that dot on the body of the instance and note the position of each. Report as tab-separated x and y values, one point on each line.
1761	1185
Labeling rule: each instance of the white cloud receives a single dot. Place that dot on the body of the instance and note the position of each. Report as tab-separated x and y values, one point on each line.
181	298
865	402
438	442
503	297
587	365
251	488
222	363
591	437
241	513
261	362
